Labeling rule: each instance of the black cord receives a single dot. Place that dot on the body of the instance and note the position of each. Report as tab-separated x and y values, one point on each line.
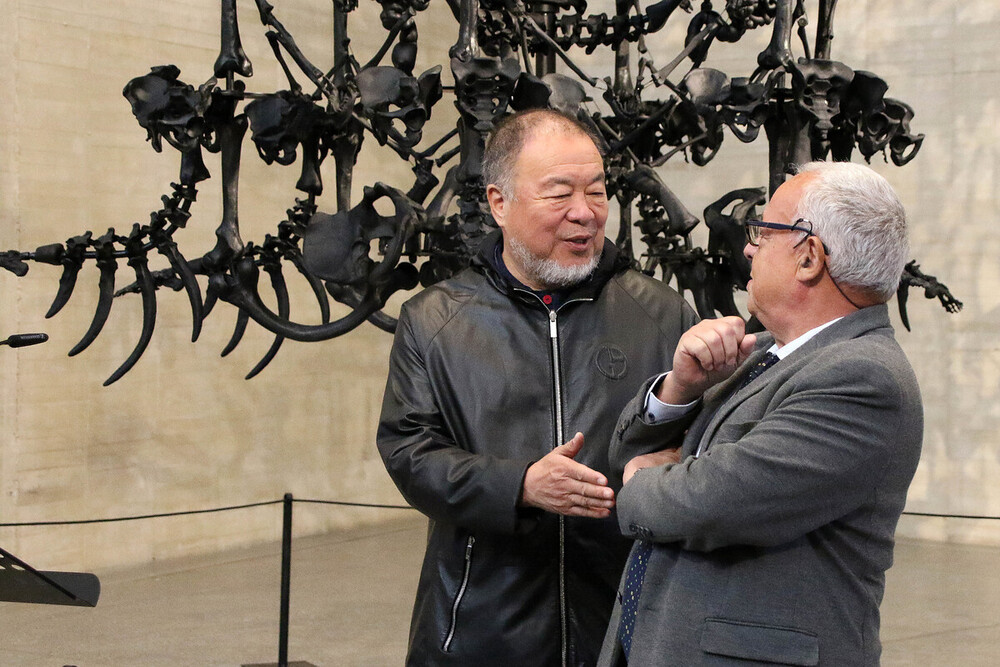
348	504
952	516
27	524
137	517
343	503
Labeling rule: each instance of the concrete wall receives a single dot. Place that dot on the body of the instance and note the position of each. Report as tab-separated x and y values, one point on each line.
941	58
183	430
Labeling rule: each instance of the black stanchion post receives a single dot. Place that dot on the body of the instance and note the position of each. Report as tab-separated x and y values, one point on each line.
286	589
286	580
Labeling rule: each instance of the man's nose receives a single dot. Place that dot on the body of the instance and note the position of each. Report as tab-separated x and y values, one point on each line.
749	251
580	209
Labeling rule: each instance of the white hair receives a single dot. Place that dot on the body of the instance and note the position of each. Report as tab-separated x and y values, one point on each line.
857	214
549	273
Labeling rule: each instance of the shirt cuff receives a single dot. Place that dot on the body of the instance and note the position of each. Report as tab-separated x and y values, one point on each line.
656	411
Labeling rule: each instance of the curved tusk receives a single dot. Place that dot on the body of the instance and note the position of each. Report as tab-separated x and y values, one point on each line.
148	291
242	318
183	269
106	286
281	292
244	295
317	288
67	281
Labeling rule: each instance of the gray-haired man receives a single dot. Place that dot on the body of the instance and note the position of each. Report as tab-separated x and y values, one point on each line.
764	500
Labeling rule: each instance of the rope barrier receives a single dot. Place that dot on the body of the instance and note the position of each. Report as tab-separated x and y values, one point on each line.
953	516
28	524
136	517
343	503
349	504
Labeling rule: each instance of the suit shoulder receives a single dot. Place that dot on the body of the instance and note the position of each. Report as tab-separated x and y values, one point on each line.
875	360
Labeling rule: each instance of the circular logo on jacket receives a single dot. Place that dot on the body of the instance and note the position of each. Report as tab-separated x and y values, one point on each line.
612	362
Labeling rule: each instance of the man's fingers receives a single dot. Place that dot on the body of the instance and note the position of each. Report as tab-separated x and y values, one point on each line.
559	484
588	501
587	475
716	344
595	491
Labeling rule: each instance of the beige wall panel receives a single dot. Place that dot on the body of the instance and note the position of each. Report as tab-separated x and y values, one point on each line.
184	430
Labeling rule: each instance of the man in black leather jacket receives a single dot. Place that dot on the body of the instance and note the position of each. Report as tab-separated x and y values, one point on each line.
492	372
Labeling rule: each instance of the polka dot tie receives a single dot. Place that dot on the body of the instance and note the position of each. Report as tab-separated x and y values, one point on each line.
635	573
761	366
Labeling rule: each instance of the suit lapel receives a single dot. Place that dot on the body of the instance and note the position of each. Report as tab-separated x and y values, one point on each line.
720	399
731	396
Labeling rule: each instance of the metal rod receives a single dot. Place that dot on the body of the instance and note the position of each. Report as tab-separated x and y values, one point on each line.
286	579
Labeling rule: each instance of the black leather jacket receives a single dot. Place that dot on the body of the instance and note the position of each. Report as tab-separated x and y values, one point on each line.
483	381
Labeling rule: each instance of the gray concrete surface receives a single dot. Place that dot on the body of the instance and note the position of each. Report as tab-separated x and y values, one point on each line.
351	597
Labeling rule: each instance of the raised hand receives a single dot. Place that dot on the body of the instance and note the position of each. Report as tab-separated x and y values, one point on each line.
708	353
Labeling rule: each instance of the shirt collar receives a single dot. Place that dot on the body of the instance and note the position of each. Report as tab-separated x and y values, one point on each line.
788	348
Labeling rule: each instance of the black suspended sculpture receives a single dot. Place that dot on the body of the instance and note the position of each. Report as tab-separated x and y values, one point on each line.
505	58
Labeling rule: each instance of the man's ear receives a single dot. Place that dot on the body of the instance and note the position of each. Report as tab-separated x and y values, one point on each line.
811	260
497	203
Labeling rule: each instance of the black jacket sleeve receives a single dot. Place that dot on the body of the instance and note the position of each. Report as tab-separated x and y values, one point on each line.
442	478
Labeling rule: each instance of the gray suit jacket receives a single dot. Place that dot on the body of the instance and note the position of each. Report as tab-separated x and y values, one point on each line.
772	544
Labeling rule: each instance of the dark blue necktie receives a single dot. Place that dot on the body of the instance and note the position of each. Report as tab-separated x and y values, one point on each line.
769	360
635	573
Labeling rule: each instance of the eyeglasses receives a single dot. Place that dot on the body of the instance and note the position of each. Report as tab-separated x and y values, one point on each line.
753	227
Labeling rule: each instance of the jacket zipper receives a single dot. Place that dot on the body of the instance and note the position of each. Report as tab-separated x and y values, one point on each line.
557	390
557	395
461	593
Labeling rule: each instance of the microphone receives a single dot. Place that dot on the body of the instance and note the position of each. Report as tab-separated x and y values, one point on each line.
21	340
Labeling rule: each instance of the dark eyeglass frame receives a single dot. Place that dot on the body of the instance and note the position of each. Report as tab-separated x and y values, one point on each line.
752	229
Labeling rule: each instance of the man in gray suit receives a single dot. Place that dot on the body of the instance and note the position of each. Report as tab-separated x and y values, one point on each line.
763	504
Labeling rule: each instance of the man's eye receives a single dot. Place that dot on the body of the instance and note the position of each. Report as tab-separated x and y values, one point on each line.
597	193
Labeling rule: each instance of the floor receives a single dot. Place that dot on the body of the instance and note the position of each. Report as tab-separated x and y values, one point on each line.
350	604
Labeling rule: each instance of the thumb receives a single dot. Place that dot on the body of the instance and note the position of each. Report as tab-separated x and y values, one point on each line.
747	345
573	446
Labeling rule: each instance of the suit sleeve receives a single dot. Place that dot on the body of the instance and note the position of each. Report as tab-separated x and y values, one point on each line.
634	435
437	475
820	451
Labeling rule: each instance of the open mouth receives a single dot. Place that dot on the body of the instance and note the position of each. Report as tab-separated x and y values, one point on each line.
578	242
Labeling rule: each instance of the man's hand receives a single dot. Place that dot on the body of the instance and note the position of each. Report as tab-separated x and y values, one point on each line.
556	483
650	460
707	353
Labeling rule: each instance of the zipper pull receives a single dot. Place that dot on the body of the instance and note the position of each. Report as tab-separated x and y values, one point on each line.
468	547
552	324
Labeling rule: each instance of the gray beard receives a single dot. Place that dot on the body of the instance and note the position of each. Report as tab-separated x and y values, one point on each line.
549	273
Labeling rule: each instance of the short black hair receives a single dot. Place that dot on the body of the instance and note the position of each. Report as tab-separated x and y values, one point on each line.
510	134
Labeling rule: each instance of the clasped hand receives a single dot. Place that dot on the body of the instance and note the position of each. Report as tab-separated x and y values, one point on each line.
556	483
